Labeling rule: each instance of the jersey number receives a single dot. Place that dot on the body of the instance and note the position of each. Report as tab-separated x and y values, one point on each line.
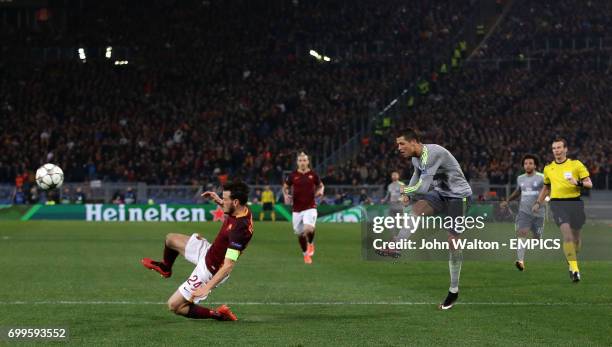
193	281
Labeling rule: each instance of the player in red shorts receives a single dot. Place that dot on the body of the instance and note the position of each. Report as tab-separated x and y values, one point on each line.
306	187
214	262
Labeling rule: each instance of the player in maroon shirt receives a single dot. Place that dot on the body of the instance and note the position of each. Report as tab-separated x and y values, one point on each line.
214	262
306	186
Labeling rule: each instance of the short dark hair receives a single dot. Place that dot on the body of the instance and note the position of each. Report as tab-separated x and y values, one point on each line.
238	190
533	157
560	139
410	134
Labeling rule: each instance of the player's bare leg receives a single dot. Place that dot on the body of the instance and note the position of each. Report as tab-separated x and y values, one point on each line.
178	305
570	250
520	250
577	240
303	241
309	232
174	245
420	208
455	260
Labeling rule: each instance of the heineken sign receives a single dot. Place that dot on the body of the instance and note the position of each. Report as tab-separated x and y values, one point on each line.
143	213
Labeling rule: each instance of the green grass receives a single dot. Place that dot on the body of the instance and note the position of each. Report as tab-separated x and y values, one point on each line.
44	263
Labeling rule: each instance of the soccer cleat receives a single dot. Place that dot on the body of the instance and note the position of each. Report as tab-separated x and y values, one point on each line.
388	253
307	259
449	301
520	265
311	249
575	276
156	266
224	313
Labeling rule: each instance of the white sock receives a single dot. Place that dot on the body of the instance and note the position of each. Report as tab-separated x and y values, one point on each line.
455	260
520	250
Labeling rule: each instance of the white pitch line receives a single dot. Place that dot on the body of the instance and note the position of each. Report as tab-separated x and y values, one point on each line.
314	303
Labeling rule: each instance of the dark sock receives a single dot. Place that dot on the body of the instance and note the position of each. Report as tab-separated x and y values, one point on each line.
303	242
311	237
169	257
199	312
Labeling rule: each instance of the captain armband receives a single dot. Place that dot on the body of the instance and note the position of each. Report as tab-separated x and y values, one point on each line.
232	254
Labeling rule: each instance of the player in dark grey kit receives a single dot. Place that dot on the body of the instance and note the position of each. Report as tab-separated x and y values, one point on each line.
438	186
394	195
528	186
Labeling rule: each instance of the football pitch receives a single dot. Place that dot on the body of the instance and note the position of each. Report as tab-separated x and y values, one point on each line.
87	277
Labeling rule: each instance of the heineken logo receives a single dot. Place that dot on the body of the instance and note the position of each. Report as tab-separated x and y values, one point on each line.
154	213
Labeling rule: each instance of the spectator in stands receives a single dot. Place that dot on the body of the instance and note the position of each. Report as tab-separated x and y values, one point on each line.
79	196
66	198
33	197
130	196
19	197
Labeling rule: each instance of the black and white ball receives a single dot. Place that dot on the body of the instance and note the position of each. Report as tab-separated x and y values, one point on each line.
49	176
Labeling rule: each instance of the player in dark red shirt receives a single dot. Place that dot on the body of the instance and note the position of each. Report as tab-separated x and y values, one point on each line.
214	262
306	186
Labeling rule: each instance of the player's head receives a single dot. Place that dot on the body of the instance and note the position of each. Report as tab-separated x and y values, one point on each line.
303	162
559	149
530	163
408	142
267	187
235	194
394	176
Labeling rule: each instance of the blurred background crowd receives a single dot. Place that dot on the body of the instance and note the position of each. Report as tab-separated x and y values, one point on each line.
217	89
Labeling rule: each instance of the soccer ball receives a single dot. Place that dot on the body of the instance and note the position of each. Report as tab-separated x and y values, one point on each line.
49	176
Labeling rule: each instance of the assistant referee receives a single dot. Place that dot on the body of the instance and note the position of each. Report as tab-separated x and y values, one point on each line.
563	180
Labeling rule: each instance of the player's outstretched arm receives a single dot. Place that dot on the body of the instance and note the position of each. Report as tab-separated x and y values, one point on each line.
320	190
515	194
587	183
213	196
224	271
543	194
423	182
286	194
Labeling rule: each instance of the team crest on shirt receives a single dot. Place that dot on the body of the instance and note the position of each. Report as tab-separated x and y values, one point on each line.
309	176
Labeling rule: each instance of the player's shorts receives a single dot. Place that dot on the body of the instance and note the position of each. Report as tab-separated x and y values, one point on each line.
569	211
195	253
452	207
308	217
395	209
268	206
528	221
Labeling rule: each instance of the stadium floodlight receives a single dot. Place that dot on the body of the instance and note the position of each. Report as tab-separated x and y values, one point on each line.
319	57
109	52
121	62
315	54
82	55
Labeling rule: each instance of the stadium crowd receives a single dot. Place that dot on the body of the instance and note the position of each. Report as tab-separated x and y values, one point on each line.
219	91
530	23
216	89
491	118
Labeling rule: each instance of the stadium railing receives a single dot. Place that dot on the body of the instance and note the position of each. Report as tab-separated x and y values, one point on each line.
105	191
